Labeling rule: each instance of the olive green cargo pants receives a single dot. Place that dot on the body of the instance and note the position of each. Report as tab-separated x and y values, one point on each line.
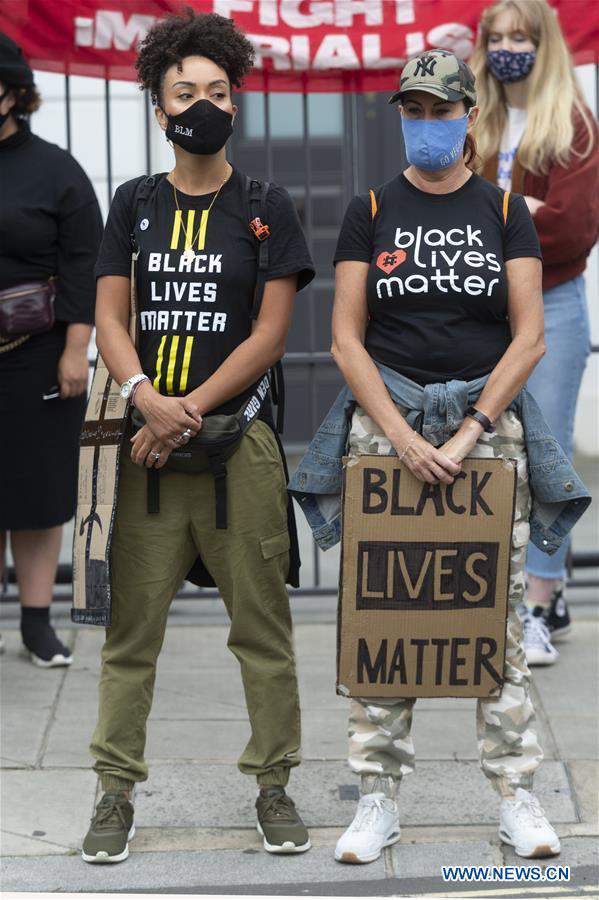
151	554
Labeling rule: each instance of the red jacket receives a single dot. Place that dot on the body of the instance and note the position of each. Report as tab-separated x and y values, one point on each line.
568	223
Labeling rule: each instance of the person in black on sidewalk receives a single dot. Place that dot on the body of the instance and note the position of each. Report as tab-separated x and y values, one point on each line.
50	226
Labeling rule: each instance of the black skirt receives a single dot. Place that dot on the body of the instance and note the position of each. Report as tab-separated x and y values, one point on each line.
39	438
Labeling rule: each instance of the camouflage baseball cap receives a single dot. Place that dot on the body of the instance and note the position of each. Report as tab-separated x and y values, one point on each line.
439	72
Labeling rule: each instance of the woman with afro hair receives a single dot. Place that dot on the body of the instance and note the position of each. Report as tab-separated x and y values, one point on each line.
203	349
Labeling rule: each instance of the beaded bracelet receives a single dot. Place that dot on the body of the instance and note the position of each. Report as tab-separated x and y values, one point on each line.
135	386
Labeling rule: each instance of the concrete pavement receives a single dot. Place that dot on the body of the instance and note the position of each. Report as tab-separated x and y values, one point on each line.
195	817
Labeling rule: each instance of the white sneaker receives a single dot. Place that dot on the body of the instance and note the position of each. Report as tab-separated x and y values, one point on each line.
375	825
537	644
523	824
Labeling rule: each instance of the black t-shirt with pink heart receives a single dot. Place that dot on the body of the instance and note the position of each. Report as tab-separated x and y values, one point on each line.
437	288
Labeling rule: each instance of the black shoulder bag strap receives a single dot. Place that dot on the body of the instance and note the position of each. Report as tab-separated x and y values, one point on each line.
143	192
256	193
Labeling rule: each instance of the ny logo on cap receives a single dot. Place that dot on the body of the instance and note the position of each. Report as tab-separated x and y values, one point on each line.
426	64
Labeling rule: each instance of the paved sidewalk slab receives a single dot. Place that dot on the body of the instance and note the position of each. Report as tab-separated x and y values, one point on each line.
252	867
577	735
211	692
54	806
446	792
27	695
575	852
458	793
20	845
150	839
585	782
568	691
421	860
176	869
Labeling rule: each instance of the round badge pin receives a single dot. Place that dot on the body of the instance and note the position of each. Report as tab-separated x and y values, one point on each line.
144	224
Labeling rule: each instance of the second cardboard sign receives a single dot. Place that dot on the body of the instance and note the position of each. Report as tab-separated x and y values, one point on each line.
424	580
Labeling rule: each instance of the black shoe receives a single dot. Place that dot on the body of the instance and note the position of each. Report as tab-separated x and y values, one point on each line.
40	643
556	616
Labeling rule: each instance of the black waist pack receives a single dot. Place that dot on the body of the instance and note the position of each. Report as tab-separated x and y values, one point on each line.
208	450
27	309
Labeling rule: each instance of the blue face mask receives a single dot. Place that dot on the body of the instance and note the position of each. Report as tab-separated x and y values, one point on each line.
508	67
434	145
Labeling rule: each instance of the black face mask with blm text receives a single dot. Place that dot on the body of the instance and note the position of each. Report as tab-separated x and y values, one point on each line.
202	128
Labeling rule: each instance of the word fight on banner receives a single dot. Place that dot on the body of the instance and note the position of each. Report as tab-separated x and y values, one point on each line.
301	45
424	580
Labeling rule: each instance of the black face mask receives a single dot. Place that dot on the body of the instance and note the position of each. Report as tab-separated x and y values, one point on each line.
202	128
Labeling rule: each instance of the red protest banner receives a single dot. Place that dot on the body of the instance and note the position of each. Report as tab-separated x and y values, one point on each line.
301	45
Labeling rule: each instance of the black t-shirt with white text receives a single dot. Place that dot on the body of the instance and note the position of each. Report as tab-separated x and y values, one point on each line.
193	312
436	287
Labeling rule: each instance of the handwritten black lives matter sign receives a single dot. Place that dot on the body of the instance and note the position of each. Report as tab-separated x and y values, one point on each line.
424	580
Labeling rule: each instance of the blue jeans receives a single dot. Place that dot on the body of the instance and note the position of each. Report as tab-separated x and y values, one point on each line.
555	384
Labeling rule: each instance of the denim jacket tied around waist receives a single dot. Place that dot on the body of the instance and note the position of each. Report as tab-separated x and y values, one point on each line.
559	497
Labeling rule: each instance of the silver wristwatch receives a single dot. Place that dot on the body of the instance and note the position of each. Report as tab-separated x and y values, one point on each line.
127	386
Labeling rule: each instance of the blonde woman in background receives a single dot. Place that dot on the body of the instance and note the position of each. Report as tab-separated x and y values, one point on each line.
535	136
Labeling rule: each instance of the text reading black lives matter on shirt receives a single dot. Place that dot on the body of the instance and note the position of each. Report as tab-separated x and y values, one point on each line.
193	312
437	288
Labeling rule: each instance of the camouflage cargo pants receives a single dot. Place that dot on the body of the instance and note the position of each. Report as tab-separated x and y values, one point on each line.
380	743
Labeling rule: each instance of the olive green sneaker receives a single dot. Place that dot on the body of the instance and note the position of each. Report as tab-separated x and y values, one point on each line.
279	822
110	831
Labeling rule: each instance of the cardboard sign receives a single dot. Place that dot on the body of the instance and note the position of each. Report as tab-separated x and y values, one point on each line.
424	580
100	447
100	443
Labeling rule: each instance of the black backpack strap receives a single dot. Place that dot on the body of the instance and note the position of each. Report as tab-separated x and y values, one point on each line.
153	491
294	551
277	388
144	190
218	467
256	192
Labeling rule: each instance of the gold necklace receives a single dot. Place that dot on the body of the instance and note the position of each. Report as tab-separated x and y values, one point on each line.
189	254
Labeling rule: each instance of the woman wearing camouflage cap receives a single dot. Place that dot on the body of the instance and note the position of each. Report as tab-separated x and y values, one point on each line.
536	136
438	284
